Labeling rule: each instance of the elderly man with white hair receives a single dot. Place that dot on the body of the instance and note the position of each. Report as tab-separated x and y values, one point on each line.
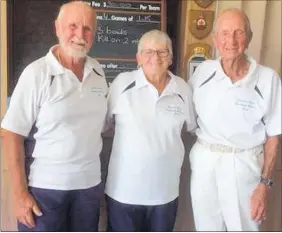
147	108
238	106
60	103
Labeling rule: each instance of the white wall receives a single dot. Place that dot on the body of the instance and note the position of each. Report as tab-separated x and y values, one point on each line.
265	19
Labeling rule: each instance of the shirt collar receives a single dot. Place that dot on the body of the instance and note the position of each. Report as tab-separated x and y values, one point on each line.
249	79
89	66
172	87
141	80
56	68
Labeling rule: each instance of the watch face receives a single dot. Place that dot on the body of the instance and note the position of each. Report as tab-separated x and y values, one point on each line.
270	183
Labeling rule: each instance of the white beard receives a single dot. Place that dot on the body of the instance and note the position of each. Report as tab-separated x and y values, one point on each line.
75	53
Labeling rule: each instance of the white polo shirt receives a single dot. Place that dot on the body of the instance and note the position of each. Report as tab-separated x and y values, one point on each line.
242	114
69	116
147	153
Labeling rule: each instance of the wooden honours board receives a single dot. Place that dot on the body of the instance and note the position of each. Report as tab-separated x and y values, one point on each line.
120	25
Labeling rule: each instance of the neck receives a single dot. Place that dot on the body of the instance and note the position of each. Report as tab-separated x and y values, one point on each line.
156	78
159	81
236	69
71	63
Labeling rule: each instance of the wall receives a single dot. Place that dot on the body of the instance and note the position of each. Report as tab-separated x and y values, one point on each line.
271	48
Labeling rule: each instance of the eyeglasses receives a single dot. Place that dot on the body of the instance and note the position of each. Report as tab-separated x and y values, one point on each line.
151	53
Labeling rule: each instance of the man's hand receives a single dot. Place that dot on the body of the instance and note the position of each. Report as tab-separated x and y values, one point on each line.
25	207
258	203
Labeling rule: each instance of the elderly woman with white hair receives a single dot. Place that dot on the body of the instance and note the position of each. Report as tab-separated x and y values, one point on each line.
148	108
238	105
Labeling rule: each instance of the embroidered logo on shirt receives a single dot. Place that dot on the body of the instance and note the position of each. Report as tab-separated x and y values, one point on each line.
97	90
246	105
176	110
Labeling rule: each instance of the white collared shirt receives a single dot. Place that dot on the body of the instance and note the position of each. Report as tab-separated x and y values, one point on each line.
147	153
242	114
69	116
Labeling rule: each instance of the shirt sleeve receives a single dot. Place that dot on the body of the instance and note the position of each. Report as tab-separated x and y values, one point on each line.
272	118
195	76
24	104
191	118
106	92
112	97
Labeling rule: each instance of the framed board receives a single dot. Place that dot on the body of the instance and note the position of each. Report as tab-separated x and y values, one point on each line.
120	25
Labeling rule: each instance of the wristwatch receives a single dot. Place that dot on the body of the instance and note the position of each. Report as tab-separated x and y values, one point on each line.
267	182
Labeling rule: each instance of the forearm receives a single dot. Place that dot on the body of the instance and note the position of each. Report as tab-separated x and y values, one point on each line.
14	153
271	148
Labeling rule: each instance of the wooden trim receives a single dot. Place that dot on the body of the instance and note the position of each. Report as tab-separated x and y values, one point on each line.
8	220
163	16
181	39
10	9
4	59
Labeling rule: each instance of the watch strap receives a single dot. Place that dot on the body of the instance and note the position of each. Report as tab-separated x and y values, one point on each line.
267	182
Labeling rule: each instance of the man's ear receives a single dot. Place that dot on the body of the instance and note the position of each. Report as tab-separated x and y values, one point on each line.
213	37
170	60
250	36
214	40
138	59
57	27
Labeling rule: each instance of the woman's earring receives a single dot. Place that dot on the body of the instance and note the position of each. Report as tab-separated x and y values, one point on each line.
138	66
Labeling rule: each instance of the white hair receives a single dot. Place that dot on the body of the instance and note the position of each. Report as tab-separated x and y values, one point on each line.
156	36
77	3
247	23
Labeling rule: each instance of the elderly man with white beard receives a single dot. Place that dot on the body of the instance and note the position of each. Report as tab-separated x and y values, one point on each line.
59	104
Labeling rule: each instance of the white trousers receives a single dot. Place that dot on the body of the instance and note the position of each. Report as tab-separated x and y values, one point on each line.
221	188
